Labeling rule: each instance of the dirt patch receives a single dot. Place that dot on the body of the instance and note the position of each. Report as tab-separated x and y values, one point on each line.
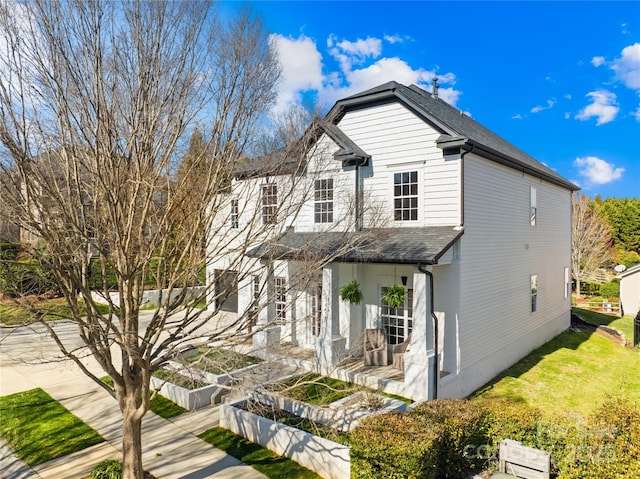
610	333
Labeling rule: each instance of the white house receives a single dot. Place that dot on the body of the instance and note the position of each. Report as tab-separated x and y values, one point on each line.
398	187
630	290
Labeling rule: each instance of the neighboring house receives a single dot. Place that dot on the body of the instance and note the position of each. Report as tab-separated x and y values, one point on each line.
399	187
630	290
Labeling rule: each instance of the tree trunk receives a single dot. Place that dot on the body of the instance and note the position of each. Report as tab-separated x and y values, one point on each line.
131	443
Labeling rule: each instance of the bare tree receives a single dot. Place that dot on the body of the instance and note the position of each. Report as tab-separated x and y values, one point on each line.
97	100
590	240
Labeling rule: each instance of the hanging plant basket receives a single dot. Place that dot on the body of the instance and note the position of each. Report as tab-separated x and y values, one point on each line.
394	296
351	293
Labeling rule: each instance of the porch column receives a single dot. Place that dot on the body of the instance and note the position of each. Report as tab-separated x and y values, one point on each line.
329	347
419	359
266	335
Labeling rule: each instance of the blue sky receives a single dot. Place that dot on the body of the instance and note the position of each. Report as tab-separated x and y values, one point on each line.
560	80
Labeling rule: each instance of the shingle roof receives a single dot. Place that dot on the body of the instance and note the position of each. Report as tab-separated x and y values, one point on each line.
453	124
387	245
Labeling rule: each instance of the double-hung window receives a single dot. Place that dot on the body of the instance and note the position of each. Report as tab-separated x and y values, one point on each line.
324	201
280	300
534	293
234	214
269	203
405	196
533	206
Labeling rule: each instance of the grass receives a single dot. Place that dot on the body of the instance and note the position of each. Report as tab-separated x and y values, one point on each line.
39	429
623	324
261	459
160	405
575	371
12	314
316	390
221	361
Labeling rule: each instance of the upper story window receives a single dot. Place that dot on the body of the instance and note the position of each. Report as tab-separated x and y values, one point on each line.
533	205
269	203
324	201
405	196
234	214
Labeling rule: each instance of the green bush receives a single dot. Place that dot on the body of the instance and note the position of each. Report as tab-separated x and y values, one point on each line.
25	277
610	289
9	250
107	469
394	446
463	429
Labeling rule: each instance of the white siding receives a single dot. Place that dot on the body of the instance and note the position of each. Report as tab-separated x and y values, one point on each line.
500	250
630	293
397	141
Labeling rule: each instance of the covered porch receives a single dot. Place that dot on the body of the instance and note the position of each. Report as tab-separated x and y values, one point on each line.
330	332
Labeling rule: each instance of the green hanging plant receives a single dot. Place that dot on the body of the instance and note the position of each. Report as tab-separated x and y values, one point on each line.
351	293
394	296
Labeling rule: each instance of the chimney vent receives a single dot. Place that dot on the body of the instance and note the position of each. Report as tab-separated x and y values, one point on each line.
435	88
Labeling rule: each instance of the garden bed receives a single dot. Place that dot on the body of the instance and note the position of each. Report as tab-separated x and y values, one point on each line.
327	458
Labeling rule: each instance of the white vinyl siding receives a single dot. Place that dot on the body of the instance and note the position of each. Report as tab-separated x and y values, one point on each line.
399	141
499	252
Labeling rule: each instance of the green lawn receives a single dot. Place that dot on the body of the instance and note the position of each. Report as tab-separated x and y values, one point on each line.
39	429
160	405
261	459
623	324
14	315
316	389
221	361
575	371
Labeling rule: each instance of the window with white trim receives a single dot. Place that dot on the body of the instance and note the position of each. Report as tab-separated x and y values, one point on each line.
234	214
405	196
269	203
280	300
534	293
533	213
398	322
316	310
567	283
323	207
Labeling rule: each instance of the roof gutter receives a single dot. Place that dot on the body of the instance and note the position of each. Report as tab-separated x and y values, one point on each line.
436	367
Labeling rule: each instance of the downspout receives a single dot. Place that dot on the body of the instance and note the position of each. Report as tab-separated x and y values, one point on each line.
436	367
358	200
462	183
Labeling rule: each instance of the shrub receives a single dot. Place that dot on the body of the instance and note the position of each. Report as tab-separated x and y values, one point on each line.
506	420
395	446
107	469
25	277
610	289
463	429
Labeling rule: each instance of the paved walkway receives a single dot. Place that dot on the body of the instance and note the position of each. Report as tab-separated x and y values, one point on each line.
171	449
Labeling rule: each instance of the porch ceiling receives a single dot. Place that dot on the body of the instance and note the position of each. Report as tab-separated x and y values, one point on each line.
380	245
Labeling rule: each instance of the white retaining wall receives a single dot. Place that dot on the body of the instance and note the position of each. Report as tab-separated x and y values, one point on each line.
150	297
326	458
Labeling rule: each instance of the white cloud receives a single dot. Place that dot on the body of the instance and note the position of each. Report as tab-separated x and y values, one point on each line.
597	171
348	53
603	107
395	39
301	64
360	68
597	61
388	69
517	116
627	67
539	108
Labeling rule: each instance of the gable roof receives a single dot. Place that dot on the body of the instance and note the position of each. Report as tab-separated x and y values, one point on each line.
386	245
458	131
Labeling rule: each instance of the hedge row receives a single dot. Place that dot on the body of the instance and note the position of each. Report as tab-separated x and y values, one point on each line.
456	438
